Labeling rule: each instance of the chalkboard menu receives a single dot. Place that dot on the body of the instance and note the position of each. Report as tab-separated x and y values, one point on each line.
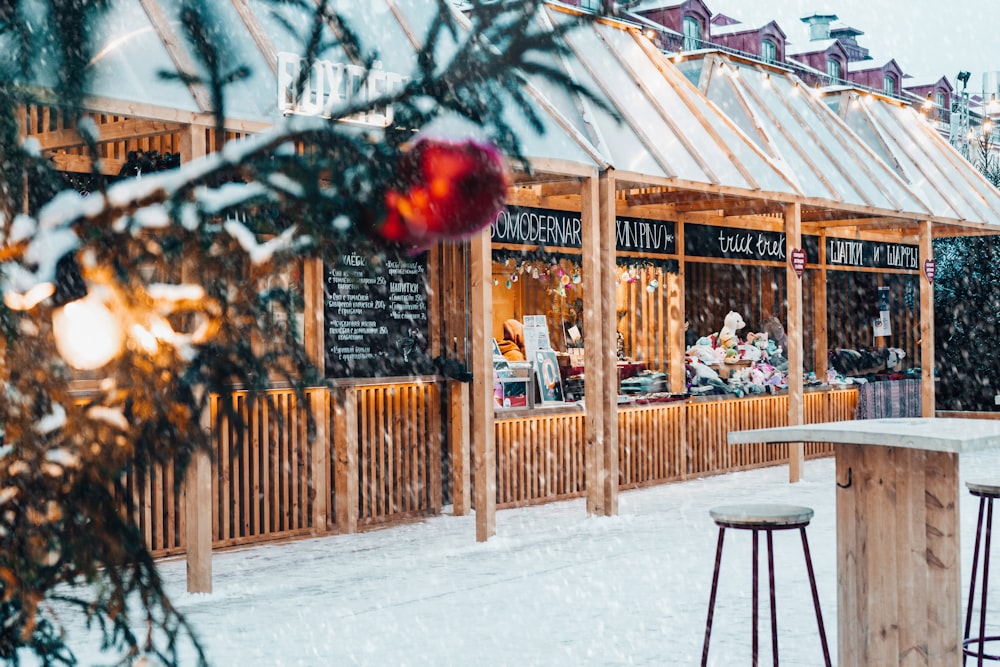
376	315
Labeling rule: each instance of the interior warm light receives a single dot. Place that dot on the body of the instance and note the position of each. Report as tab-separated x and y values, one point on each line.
87	334
767	79
34	296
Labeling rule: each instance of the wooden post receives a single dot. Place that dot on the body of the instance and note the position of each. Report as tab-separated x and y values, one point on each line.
677	315
198	517
607	230
793	240
927	361
458	439
483	437
313	334
314	301
820	336
345	468
594	354
198	480
319	401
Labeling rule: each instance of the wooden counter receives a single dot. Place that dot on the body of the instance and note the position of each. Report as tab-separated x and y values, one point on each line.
898	565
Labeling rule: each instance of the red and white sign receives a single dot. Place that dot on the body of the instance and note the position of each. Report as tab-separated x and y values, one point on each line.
930	268
798	259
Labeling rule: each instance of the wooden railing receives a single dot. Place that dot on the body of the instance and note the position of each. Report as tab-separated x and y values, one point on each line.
656	444
374	454
273	473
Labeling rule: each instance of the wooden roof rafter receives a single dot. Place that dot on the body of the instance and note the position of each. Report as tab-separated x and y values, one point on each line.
178	55
918	163
687	90
658	156
743	90
257	34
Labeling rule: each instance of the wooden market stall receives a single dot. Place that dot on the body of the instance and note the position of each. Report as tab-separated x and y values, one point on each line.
640	184
777	170
380	442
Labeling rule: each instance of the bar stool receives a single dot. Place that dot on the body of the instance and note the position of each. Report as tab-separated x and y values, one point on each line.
986	494
767	518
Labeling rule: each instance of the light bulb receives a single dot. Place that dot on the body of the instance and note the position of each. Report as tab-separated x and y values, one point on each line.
87	334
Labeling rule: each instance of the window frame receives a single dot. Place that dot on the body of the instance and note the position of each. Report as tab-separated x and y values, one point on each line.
768	50
692	41
834	69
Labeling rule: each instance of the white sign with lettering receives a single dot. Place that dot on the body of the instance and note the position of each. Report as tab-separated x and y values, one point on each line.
332	87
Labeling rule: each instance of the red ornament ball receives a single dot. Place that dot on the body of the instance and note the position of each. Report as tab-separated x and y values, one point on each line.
450	191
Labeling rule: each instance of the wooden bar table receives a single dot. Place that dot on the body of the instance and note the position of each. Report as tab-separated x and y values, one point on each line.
899	588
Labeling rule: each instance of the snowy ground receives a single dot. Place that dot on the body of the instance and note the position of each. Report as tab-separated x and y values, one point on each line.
552	588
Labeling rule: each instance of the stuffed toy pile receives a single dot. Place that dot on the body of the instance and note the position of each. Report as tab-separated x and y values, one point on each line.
759	365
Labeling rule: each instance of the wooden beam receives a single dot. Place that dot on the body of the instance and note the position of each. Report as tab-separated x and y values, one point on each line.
737	206
927	360
793	240
198	518
198	481
345	461
820	331
257	34
82	164
609	318
120	130
319	407
593	321
676	317
175	49
560	189
458	438
483	436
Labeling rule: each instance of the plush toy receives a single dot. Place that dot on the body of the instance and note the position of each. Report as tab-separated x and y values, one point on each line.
727	335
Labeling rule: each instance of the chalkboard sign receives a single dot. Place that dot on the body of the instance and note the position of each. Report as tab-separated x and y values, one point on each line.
741	243
564	229
376	315
549	381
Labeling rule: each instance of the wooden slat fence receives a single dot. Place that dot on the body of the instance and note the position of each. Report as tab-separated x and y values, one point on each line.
399	451
539	460
262	469
264	474
656	444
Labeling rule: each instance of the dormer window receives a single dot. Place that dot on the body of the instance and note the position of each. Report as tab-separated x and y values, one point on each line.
888	85
833	68
692	34
768	51
592	5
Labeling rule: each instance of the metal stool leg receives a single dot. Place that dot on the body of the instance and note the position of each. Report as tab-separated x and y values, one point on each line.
815	594
975	567
711	598
770	583
755	598
986	579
